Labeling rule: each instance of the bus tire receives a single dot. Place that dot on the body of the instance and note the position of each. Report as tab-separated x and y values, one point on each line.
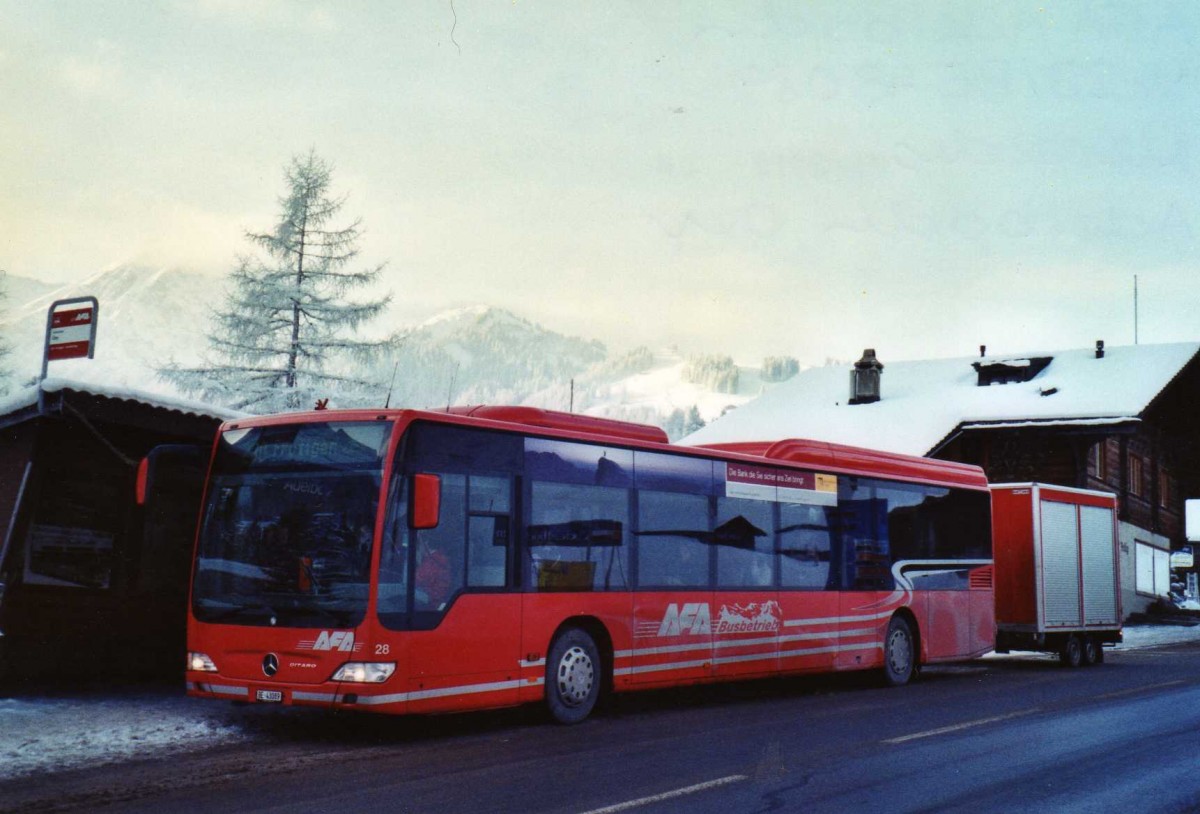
1071	653
899	653
573	676
1091	651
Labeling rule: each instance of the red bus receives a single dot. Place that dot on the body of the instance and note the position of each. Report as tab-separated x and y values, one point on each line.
406	561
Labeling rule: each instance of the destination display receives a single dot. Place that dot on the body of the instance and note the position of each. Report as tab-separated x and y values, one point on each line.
783	485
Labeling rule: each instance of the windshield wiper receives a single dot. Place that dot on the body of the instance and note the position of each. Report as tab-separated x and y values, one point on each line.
254	607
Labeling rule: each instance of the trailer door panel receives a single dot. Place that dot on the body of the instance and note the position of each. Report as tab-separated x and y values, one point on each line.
1061	602
1099	565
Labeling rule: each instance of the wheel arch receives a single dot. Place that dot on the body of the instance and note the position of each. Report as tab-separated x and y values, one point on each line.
600	635
907	615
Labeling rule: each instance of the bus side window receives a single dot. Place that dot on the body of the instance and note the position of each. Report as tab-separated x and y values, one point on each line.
673	534
577	537
488	531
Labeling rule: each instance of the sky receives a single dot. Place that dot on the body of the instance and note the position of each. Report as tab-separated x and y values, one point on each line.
801	178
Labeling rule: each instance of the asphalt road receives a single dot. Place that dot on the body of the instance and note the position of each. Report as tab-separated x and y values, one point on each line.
995	735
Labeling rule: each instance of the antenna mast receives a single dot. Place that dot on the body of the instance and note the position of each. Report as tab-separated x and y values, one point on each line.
388	401
1135	309
399	347
450	390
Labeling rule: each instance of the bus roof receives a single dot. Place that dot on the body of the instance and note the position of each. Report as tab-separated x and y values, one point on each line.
833	458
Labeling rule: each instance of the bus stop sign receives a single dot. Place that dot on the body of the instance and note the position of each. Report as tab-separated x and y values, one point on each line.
71	332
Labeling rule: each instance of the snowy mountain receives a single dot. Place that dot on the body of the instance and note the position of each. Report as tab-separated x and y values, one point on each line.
147	316
481	354
663	387
22	289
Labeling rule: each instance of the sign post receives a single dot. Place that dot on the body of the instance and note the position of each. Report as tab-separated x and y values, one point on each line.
70	334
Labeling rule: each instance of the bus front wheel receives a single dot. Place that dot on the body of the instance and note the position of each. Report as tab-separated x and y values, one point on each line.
899	653
573	676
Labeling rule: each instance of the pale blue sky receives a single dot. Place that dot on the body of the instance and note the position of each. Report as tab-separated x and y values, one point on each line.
805	178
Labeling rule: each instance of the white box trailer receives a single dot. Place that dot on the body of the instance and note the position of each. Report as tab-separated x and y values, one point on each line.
1057	570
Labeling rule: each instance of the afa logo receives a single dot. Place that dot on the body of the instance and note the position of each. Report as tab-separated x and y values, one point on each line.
693	619
342	640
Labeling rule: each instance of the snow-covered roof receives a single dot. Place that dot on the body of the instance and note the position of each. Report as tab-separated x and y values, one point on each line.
27	397
923	402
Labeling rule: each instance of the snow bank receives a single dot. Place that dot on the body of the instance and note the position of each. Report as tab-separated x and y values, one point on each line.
1154	635
40	734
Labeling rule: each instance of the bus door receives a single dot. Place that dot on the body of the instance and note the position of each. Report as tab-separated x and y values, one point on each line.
808	580
747	620
673	606
466	617
867	598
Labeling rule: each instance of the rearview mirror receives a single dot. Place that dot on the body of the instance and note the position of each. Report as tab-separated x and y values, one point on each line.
426	501
168	464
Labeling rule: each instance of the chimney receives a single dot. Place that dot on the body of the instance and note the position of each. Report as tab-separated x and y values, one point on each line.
864	379
982	351
1099	348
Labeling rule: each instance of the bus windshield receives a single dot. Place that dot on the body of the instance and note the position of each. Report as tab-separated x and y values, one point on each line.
287	528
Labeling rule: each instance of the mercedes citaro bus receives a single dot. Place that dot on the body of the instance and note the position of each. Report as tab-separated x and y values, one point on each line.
406	561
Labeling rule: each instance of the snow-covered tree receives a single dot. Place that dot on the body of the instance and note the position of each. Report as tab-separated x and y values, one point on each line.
692	421
779	368
717	373
286	319
679	423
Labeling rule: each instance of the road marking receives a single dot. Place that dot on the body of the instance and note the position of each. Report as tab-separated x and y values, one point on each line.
958	727
1133	690
668	795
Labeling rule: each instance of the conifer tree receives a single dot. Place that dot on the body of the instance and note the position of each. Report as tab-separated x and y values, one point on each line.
692	422
286	322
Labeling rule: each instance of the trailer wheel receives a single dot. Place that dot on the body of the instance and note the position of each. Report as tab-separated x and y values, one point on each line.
1071	654
1099	651
1091	651
573	676
899	653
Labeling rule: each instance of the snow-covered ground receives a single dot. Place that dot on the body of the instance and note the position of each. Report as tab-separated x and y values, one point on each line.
1139	636
53	732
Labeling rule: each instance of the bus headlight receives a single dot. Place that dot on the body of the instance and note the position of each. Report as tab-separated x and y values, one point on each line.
200	663
365	672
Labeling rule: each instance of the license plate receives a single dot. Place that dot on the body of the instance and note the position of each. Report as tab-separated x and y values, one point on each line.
271	696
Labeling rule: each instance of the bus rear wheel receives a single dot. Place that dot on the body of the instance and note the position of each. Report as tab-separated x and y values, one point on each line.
573	676
899	653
